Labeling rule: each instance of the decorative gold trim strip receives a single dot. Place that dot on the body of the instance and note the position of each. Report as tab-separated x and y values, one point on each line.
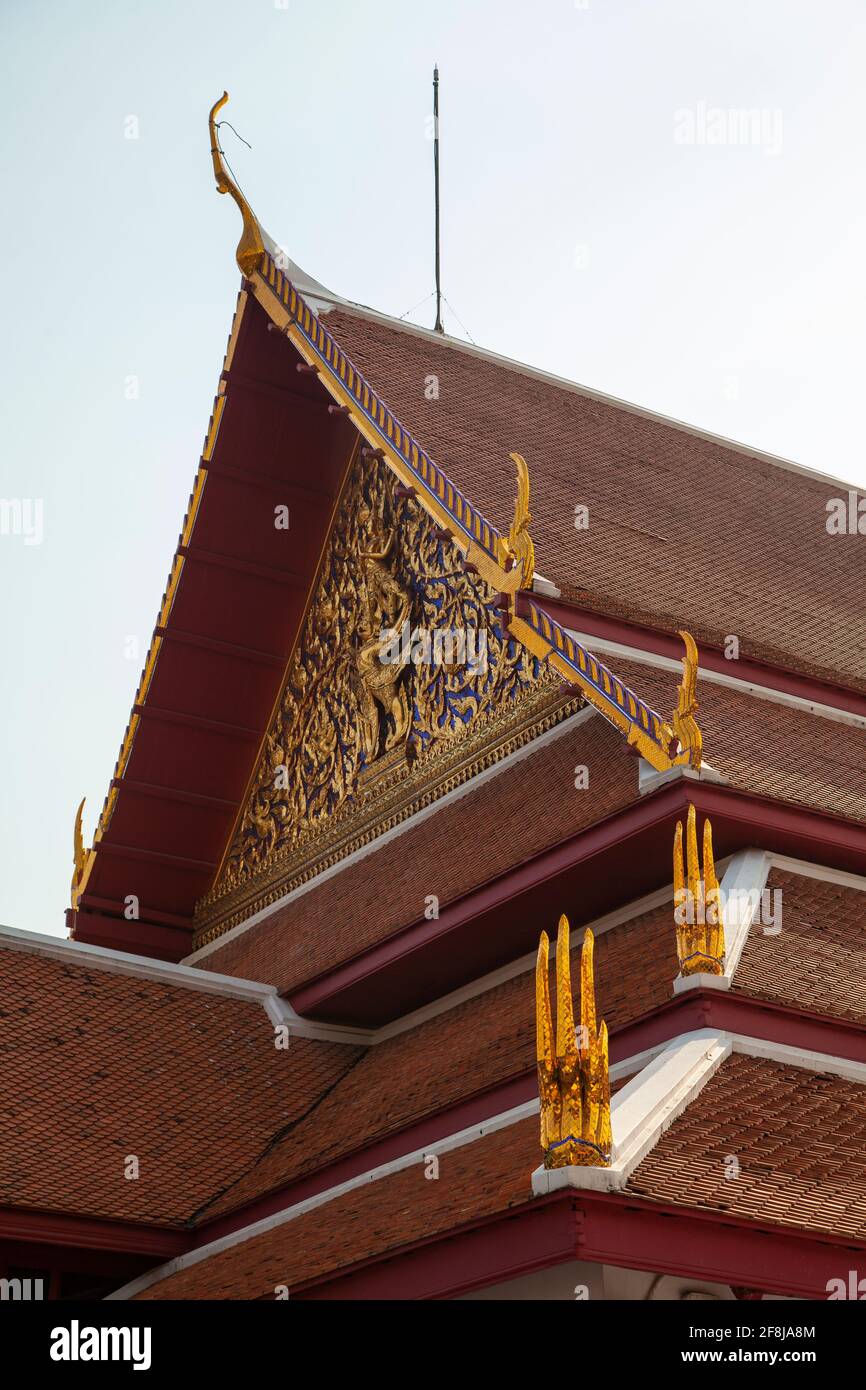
444	771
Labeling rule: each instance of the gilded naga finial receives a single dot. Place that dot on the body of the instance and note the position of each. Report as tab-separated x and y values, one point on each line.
251	247
79	853
683	720
573	1080
519	542
697	903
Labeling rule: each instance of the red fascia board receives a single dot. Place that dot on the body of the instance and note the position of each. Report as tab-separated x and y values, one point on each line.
586	874
612	1229
530	1238
141	938
662	643
90	1233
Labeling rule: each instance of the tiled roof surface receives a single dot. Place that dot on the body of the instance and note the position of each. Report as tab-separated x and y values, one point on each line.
769	748
474	1181
98	1066
796	1134
482	1042
501	821
798	1138
682	530
818	960
757	745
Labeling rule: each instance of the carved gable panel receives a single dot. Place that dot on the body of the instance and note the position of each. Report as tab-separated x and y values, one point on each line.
401	660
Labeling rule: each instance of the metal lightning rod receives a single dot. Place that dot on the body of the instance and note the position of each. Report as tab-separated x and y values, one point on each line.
437	327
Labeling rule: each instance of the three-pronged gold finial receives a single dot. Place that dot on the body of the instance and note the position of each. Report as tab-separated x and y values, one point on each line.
697	903
251	247
573	1080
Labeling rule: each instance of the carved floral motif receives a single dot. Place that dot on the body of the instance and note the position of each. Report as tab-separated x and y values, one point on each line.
343	708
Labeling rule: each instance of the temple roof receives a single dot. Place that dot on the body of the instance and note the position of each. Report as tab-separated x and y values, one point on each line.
684	530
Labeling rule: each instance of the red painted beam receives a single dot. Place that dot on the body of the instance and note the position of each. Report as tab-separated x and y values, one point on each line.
91	1233
213	644
188	798
269	573
111	907
614	1229
194	721
268	482
141	938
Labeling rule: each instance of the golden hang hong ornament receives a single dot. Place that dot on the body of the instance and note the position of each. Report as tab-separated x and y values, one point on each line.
697	903
573	1078
79	854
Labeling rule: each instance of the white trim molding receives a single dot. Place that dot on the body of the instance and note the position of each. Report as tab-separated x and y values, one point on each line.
87	957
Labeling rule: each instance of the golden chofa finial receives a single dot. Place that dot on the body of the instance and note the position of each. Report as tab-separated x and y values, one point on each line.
251	247
573	1080
683	721
519	543
79	854
697	903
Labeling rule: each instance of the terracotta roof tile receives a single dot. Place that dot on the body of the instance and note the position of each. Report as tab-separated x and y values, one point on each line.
474	1181
97	1066
797	1135
818	961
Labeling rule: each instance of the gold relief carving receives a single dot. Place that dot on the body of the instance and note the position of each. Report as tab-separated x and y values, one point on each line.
386	609
352	726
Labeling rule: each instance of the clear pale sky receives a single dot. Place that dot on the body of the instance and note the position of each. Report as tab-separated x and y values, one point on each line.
584	231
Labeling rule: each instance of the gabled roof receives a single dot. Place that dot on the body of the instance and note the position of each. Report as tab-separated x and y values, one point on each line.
284	437
232	610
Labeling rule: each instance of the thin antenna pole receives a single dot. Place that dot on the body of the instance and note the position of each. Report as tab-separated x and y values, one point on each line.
437	328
